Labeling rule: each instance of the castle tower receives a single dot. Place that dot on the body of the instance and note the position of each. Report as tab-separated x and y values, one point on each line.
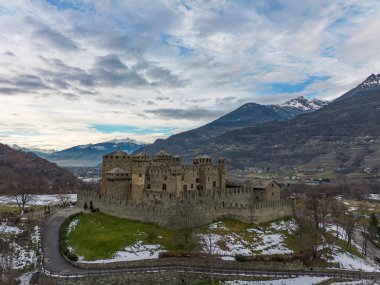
222	174
139	164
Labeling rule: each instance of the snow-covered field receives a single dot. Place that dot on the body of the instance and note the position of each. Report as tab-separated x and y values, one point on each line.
374	196
21	256
301	280
349	261
137	251
359	282
41	200
5	229
256	240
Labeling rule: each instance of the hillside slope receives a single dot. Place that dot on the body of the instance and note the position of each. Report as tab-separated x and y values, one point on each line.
248	115
343	136
27	168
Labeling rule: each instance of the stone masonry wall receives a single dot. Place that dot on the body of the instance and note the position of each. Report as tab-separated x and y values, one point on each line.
169	212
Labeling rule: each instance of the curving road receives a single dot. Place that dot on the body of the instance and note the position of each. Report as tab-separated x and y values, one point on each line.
54	264
52	258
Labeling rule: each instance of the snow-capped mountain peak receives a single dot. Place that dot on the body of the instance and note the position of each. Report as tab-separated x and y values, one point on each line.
372	81
126	140
305	104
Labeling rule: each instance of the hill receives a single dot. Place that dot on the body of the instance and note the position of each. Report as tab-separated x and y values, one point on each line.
89	155
28	169
247	115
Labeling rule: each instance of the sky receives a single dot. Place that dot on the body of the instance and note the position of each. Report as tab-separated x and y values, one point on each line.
85	71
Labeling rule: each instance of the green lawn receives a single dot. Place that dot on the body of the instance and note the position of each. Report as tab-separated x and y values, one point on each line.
99	236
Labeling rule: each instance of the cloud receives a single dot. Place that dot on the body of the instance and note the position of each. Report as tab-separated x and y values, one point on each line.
54	38
186	114
105	62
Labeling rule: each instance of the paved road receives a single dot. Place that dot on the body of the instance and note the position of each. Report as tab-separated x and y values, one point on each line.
54	263
52	257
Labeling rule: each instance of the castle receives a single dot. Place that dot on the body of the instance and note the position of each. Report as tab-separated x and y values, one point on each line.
162	190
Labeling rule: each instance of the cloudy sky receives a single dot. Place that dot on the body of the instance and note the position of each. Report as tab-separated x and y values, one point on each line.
79	71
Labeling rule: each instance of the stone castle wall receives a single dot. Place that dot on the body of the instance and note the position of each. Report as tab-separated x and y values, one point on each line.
169	212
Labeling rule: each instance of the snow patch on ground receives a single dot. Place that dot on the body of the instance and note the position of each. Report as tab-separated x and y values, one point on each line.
25	278
349	261
359	282
374	196
301	280
5	229
73	224
252	241
290	226
137	251
22	257
41	200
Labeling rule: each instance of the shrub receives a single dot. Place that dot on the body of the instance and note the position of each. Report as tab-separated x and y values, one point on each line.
241	258
72	256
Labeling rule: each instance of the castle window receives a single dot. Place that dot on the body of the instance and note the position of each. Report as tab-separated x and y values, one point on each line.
257	198
214	184
111	156
148	186
147	177
185	187
165	177
272	193
140	175
192	186
164	187
183	177
197	180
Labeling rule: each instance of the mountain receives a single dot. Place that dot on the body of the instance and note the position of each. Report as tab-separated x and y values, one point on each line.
25	167
247	115
304	104
369	86
90	155
343	136
37	151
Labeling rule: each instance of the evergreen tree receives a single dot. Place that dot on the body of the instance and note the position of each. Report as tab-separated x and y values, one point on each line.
91	206
85	206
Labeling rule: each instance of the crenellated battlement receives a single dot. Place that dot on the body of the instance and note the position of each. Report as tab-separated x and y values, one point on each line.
157	188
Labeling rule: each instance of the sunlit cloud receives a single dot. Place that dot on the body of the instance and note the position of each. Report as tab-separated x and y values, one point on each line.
74	72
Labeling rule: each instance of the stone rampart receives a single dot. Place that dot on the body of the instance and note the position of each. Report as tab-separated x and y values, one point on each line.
169	212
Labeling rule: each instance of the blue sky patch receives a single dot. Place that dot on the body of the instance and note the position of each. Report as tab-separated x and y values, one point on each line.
109	129
278	88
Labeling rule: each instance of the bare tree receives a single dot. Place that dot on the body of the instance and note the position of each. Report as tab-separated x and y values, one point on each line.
22	195
23	189
188	217
208	241
350	223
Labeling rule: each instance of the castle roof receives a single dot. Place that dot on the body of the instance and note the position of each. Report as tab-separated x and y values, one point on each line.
118	152
140	154
162	152
202	156
117	170
262	184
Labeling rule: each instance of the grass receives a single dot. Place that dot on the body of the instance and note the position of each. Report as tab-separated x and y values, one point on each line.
99	236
